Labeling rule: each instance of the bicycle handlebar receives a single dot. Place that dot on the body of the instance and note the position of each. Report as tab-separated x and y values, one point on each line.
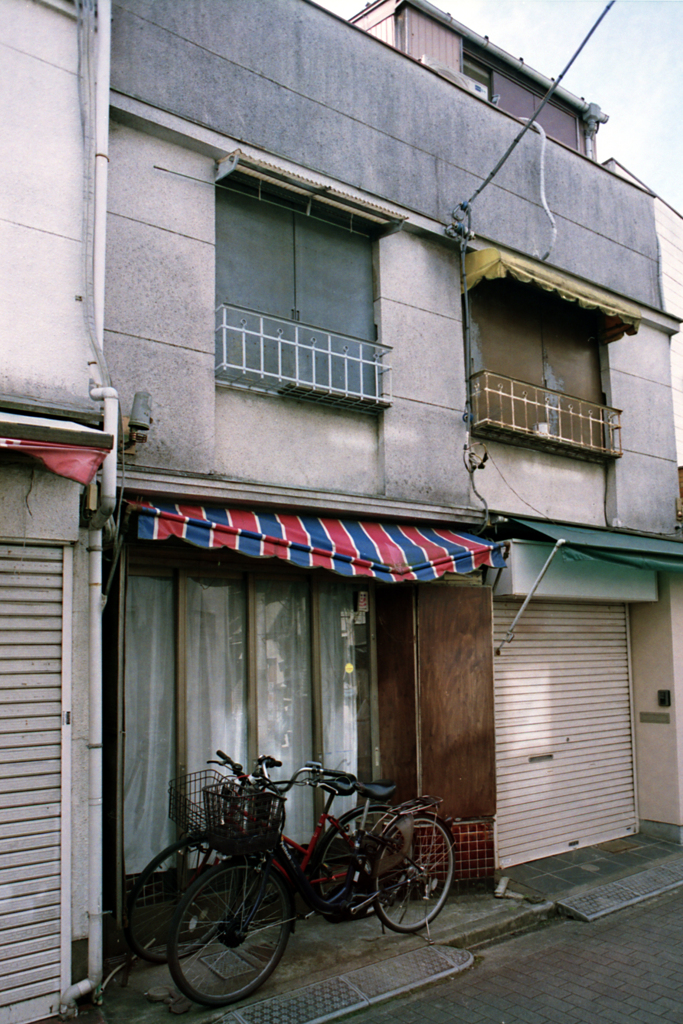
318	774
227	761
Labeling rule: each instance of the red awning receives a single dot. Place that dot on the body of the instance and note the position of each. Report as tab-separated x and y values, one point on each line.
75	462
390	552
64	447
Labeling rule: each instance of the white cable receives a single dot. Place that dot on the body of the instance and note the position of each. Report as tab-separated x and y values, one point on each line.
537	127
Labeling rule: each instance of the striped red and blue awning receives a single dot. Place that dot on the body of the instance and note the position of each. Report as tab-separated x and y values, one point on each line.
391	552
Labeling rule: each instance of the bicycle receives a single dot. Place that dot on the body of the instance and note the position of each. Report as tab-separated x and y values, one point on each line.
161	884
232	926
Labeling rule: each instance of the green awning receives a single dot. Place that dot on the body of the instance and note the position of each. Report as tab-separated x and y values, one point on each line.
603	545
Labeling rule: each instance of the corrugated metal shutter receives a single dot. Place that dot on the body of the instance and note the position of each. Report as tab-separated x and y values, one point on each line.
564	747
30	780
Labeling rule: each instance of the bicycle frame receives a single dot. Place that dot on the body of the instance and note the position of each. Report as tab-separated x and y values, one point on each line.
308	850
285	862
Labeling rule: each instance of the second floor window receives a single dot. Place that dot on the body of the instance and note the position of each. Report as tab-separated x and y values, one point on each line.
273	259
523	332
294	296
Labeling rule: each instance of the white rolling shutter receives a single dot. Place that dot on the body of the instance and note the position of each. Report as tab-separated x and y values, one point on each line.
564	748
30	780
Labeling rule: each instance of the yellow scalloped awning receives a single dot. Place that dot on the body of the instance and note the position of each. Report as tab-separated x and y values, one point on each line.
621	317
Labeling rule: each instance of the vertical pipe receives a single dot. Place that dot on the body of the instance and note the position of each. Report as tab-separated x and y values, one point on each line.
95	762
102	514
101	160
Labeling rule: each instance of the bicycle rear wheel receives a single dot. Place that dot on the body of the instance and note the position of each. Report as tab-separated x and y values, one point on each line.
156	893
229	932
412	893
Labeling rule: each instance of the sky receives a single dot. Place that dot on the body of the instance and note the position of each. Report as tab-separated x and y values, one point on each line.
632	67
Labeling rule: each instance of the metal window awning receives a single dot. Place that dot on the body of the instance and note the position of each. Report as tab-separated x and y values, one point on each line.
305	188
621	317
603	545
65	448
389	552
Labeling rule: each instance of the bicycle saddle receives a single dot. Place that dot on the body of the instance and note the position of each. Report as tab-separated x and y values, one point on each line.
341	787
380	790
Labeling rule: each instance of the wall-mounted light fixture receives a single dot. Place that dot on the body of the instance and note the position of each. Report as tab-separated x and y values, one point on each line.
136	426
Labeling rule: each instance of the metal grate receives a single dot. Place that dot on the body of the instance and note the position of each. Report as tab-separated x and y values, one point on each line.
605	899
285	357
332	998
540	418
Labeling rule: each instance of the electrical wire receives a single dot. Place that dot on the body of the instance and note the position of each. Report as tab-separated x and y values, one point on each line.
534	116
473	462
543	515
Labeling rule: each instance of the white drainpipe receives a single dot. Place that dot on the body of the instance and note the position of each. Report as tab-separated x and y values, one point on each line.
106	507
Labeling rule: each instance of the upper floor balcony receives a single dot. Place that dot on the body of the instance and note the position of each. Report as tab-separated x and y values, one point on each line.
537	417
286	357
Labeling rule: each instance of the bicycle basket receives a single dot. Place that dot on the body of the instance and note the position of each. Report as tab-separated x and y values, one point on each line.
242	819
185	801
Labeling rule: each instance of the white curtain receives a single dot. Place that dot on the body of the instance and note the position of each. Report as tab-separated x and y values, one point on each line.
216	671
284	689
149	681
344	677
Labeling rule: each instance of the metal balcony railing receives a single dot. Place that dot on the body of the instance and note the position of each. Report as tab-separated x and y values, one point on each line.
285	357
511	410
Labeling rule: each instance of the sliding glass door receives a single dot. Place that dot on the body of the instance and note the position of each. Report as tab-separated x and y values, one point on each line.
246	663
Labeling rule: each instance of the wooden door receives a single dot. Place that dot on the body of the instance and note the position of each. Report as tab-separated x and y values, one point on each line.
457	742
396	666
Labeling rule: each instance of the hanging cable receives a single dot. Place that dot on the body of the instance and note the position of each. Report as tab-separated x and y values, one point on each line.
544	140
474	461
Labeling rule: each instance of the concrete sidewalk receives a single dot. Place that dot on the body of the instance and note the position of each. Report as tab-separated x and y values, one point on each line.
329	970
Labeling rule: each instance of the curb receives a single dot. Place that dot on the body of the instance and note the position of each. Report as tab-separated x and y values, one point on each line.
484	931
358	990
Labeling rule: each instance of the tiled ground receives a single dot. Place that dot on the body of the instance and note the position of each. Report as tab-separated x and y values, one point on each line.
594	865
624	968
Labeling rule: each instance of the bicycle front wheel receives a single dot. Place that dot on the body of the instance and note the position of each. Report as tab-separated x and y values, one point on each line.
229	932
156	893
412	893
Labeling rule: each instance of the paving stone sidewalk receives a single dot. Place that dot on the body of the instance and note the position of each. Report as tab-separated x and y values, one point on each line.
623	969
326	969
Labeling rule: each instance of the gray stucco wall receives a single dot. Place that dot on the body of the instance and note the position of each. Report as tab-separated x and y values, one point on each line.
331	98
160	249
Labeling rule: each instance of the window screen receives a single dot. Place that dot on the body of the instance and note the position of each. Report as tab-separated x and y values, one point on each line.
279	261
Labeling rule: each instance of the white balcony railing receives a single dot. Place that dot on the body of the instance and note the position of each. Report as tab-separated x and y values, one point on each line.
285	357
536	417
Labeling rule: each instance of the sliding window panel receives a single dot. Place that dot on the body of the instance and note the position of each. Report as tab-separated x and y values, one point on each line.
216	712
333	278
507	330
254	254
571	356
283	687
150	710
